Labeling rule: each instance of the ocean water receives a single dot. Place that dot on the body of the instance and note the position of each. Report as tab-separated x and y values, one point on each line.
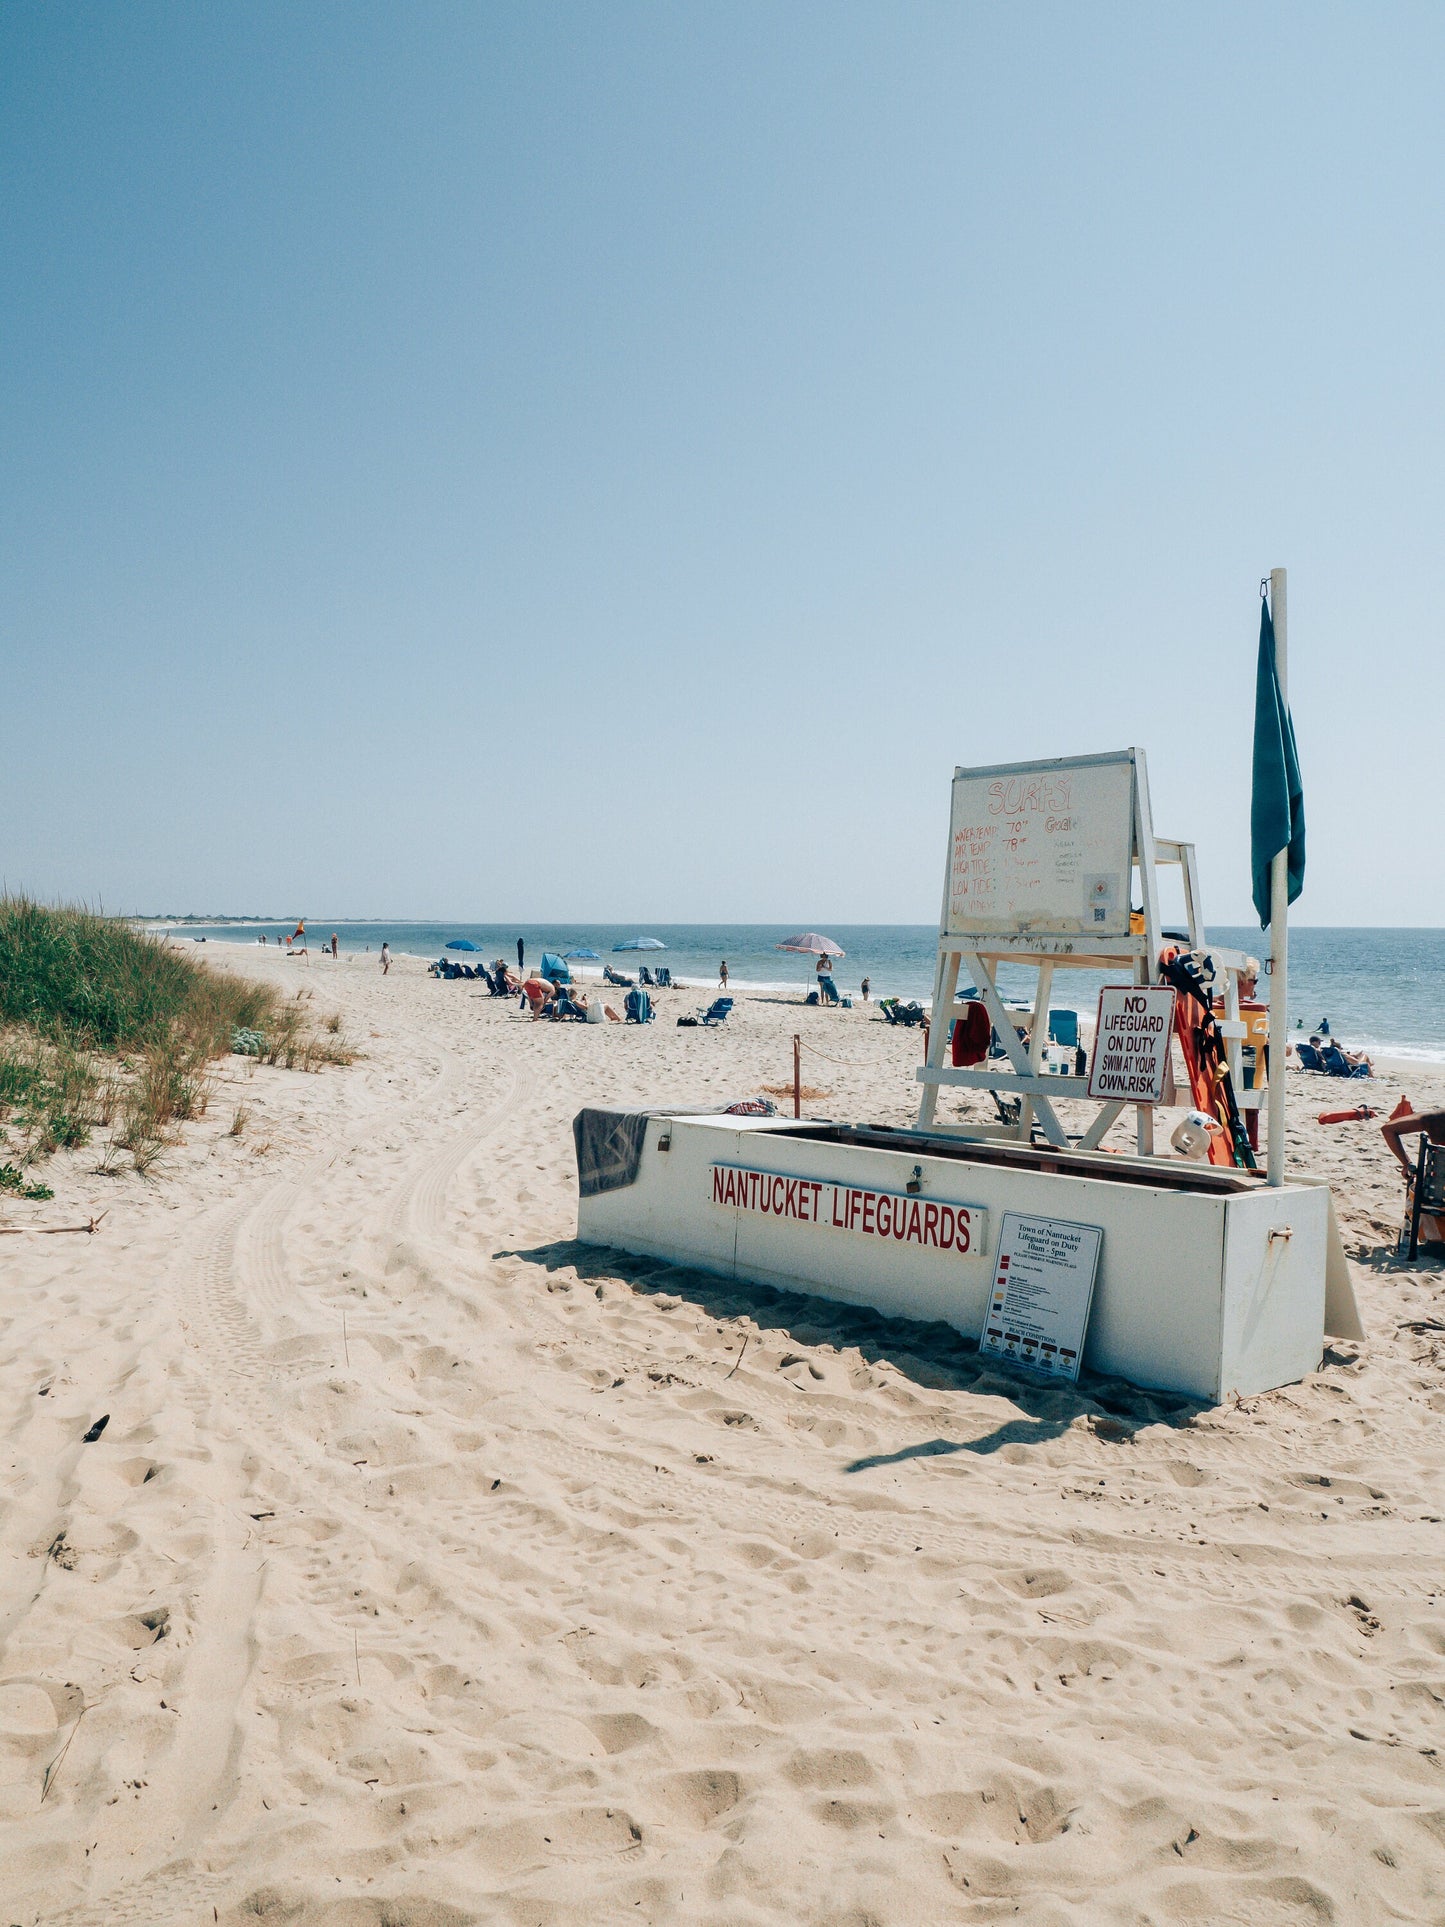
1382	990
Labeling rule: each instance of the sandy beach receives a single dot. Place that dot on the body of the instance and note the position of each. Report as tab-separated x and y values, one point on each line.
434	1569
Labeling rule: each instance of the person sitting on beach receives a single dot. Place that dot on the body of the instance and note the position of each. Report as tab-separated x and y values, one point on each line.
1406	1121
564	1004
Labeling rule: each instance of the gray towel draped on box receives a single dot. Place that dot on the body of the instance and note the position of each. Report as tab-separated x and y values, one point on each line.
609	1148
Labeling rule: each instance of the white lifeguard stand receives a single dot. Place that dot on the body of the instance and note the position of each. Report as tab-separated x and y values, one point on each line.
1045	863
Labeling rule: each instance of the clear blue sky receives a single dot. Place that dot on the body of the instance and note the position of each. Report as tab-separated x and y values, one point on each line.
613	461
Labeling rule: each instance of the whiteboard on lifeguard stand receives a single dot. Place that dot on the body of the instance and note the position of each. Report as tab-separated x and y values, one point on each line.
1042	850
1041	870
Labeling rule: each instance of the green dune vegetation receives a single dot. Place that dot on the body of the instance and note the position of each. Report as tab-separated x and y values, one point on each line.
103	1029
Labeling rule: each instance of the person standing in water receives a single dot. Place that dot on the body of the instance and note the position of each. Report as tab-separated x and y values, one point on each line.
722	974
385	958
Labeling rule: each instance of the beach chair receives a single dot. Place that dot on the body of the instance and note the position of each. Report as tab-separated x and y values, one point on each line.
1338	1065
644	976
637	1006
1427	1190
664	977
1309	1057
717	1011
612	976
1064	1028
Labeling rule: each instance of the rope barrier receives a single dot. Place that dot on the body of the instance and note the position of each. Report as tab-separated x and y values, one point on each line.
848	1063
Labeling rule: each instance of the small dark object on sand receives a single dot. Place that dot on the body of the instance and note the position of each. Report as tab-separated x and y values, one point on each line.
95	1431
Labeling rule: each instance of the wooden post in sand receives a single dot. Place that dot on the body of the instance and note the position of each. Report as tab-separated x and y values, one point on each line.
1278	920
797	1075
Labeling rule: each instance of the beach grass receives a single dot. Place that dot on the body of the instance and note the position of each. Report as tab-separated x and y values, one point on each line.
104	1027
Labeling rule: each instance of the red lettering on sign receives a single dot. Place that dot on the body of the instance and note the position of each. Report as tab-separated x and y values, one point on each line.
875	1214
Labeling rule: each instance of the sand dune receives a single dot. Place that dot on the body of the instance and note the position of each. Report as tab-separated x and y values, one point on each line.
433	1569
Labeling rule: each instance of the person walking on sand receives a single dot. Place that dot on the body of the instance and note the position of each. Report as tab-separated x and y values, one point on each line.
722	974
385	958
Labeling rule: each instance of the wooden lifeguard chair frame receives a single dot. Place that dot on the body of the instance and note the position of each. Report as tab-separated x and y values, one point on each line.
981	953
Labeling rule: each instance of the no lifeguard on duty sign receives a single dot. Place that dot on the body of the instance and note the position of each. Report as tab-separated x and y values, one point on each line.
1131	1043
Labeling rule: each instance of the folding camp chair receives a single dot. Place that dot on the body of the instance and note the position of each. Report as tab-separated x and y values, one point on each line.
1309	1057
1064	1028
662	976
638	1007
717	1011
644	976
1427	1191
1338	1065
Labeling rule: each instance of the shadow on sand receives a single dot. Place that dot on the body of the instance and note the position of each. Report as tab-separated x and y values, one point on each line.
933	1355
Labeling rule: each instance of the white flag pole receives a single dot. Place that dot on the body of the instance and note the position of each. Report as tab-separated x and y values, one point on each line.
1278	919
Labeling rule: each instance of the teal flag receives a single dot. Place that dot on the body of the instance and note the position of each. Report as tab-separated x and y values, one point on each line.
1277	809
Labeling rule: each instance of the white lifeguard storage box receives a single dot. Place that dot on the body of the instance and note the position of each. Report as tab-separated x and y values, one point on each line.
1209	1282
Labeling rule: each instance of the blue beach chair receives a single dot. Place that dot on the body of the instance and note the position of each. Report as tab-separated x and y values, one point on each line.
717	1011
637	1006
1338	1065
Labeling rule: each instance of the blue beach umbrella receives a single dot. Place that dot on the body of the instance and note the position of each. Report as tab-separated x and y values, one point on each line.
461	943
583	956
639	943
